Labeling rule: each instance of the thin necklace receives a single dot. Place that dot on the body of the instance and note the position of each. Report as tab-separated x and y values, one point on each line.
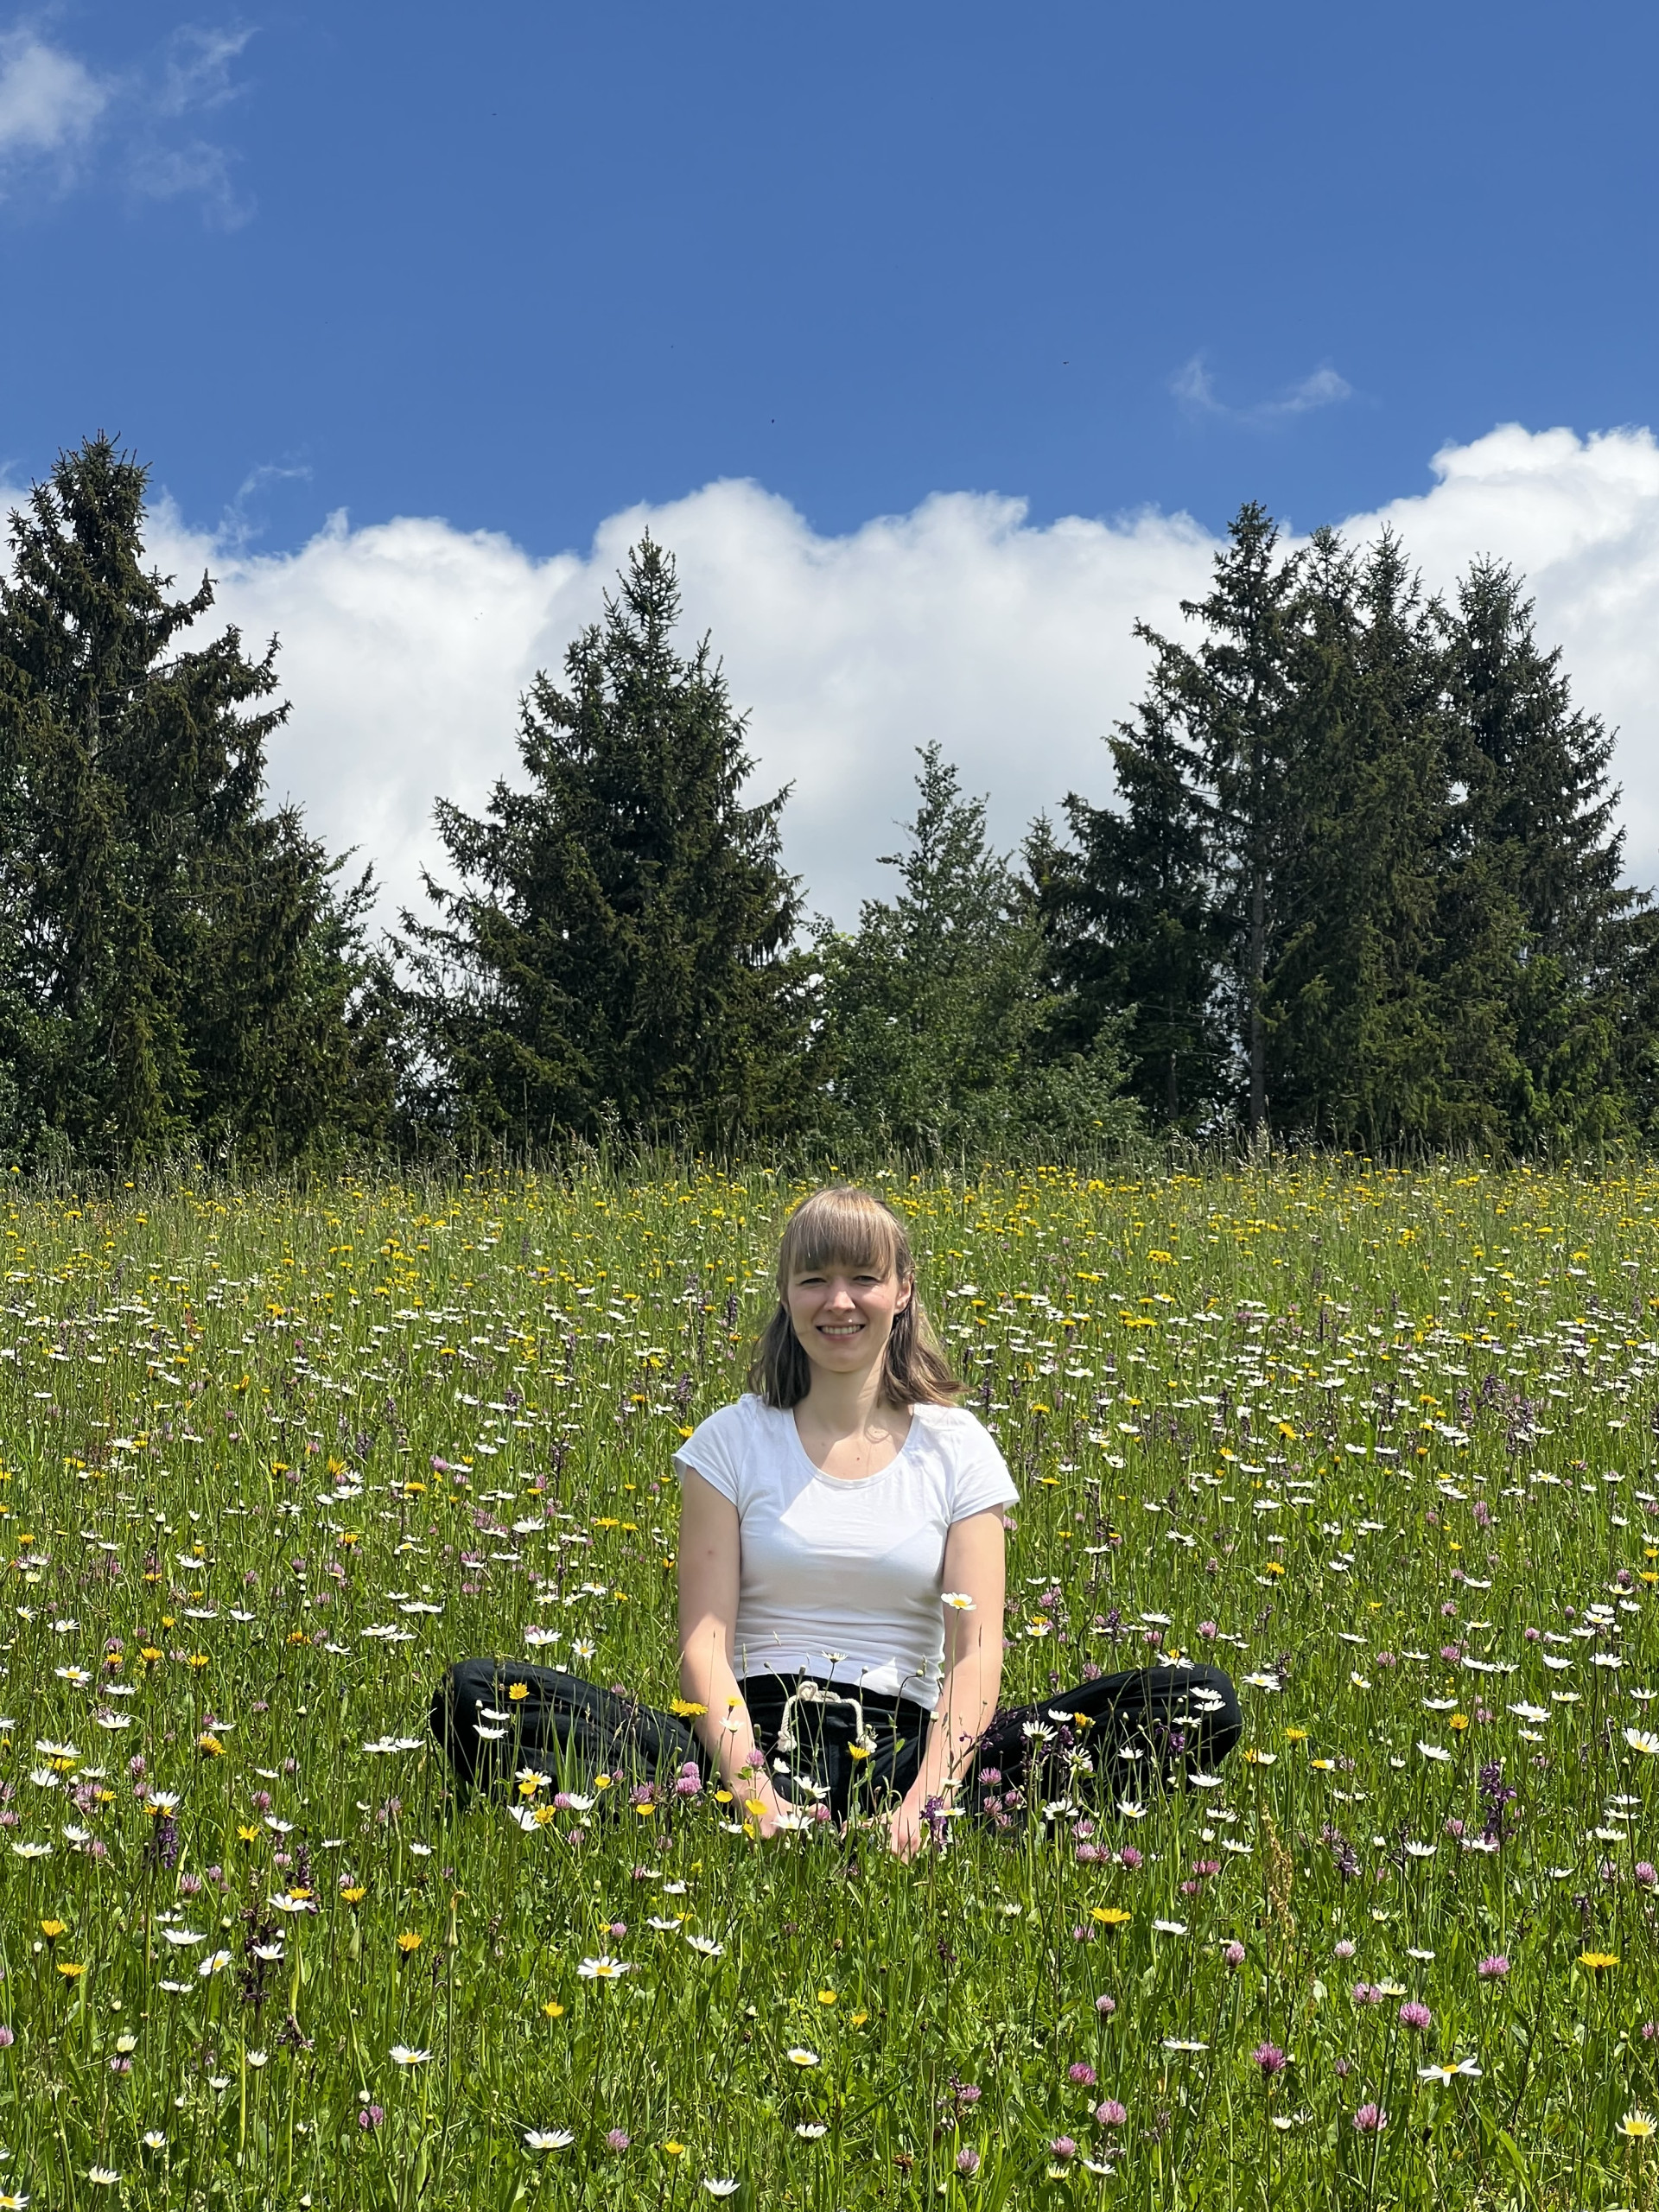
862	1438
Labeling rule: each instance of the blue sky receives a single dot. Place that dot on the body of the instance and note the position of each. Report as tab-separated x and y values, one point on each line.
521	265
937	342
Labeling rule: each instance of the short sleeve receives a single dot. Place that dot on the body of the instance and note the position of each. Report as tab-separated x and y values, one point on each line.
713	1451
980	1473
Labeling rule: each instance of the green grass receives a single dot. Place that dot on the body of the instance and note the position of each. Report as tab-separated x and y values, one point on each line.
1382	1442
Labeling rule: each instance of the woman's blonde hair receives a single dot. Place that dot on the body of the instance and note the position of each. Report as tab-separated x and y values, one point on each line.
854	1229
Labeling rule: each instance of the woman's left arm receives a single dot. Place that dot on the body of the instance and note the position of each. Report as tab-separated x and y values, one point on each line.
974	1569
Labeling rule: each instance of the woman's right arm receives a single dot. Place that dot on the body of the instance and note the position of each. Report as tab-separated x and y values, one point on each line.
709	1559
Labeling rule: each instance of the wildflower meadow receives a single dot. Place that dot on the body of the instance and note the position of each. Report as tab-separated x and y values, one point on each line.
1383	1445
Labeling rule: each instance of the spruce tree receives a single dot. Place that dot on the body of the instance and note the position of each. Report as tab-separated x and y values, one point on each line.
1128	911
618	953
1534	868
1357	1049
935	1008
184	970
1172	907
1230	698
1379	836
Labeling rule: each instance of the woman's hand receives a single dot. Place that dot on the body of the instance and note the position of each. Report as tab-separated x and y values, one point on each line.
907	1828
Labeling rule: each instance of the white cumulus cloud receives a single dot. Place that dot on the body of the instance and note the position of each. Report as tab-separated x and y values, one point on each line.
406	643
1578	518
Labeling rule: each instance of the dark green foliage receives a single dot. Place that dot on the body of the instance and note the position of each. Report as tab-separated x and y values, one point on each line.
1355	1023
1368	841
617	955
936	1009
1361	883
1175	905
1233	697
182	970
1131	921
1533	854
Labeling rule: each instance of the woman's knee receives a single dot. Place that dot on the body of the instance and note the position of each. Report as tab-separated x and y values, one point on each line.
467	1686
469	1683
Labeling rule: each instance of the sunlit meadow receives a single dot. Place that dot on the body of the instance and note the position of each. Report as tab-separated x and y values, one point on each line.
1381	1444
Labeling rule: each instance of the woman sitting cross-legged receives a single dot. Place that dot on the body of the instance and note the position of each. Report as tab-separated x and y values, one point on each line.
841	1585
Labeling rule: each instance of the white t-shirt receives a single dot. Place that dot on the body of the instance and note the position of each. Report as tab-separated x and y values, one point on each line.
843	1580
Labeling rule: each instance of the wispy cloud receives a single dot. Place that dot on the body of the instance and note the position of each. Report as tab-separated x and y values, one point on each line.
197	74
241	524
1194	386
1324	388
66	124
165	163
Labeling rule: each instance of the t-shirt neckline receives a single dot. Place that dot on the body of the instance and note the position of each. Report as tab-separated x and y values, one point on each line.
848	1482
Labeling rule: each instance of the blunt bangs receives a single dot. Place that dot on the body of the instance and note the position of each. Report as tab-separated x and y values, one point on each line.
842	1227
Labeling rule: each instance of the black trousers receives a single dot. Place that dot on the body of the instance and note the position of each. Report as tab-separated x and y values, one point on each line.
825	1744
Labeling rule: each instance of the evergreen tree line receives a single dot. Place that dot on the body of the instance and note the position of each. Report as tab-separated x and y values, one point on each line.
1361	884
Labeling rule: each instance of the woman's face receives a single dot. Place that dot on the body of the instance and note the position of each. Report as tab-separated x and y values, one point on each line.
844	1315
